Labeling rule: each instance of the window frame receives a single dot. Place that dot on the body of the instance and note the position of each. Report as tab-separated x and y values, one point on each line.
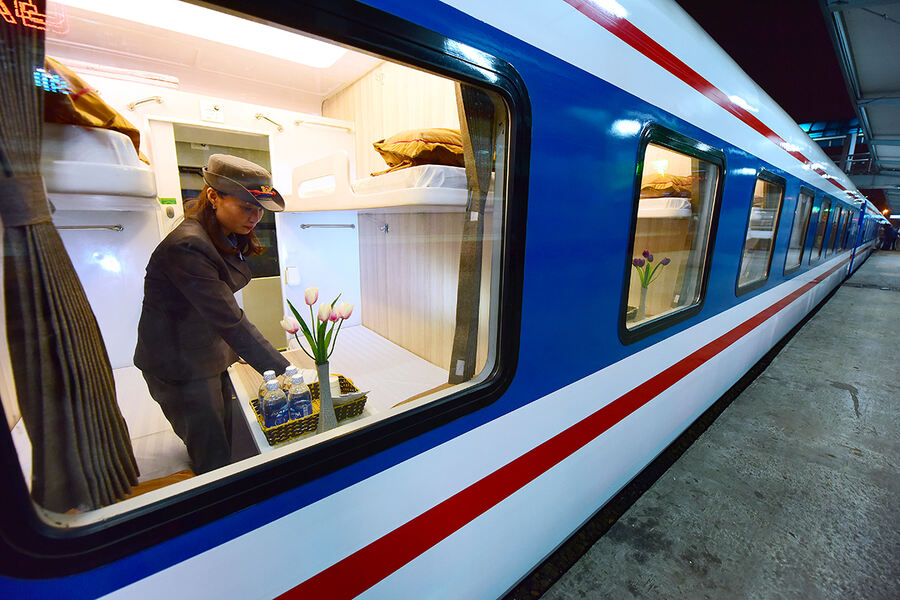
820	255
837	228
831	230
843	233
677	142
812	194
32	549
764	175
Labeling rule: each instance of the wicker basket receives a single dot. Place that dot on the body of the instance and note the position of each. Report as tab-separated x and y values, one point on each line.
297	427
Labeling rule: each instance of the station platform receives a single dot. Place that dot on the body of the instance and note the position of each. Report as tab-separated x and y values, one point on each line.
792	492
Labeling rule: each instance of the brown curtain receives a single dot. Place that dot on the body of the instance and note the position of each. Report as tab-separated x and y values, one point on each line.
82	455
476	126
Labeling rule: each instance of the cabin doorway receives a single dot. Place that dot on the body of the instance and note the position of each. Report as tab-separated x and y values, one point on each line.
184	150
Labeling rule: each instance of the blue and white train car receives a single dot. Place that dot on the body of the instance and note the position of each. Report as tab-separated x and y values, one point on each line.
634	225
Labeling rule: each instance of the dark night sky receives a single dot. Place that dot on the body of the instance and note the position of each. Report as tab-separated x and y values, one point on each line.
784	46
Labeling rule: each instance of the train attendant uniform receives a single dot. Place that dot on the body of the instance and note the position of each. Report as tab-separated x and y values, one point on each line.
191	328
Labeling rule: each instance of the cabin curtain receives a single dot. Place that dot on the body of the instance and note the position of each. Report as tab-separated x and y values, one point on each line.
81	451
476	124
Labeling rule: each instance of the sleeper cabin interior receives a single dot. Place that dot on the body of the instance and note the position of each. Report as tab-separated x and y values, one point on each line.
323	118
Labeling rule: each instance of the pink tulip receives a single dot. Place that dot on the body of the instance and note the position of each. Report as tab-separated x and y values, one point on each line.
324	312
290	325
345	310
334	316
311	295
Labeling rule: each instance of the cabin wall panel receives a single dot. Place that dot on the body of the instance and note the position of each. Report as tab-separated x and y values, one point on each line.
387	100
409	277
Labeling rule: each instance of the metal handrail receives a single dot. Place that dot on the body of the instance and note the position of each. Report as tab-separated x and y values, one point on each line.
328	225
91	227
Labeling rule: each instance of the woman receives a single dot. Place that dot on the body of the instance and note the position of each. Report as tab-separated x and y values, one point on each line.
191	327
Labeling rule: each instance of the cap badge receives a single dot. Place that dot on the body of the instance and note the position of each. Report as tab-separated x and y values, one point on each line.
264	190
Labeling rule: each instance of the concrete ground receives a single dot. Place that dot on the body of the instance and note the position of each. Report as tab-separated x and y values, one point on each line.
794	491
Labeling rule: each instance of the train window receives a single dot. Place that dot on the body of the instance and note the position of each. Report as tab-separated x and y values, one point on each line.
395	271
678	182
832	230
852	228
762	229
836	226
797	242
824	211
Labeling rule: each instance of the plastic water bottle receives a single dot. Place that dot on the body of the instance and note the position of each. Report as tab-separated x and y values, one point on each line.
286	378
267	377
274	405
299	398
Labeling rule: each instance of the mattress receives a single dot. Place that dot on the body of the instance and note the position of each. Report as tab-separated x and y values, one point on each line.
657	208
422	176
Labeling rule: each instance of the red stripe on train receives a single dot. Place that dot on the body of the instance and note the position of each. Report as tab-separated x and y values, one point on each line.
643	43
367	566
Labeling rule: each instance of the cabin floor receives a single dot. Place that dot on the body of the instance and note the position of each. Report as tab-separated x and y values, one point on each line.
792	492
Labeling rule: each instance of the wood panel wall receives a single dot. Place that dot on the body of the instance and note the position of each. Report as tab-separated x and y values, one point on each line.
409	279
389	99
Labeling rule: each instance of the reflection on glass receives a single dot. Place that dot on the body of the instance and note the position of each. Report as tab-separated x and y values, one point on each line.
844	230
824	211
798	231
761	231
838	218
671	234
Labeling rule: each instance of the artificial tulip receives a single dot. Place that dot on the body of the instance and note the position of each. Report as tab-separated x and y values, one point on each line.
324	312
290	324
322	337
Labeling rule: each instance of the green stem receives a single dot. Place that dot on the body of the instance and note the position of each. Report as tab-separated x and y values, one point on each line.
334	339
302	348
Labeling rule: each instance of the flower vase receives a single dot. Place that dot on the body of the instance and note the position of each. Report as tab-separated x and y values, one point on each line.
327	418
642	307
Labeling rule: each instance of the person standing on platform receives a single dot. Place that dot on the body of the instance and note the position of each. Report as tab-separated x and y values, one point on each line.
886	237
191	327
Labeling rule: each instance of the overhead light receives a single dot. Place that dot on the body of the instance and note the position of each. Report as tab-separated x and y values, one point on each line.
197	21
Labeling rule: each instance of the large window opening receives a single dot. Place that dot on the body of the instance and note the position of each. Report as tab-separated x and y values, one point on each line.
824	212
797	241
762	229
393	180
670	254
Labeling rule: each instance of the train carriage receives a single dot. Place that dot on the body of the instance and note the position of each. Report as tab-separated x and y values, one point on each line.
626	226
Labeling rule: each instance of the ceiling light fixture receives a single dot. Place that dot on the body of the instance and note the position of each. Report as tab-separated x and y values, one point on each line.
197	21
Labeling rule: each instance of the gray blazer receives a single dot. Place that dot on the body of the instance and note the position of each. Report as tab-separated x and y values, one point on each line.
191	327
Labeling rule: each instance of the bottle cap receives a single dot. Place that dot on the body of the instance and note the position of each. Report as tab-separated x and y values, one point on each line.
291	369
297	378
270	374
272	385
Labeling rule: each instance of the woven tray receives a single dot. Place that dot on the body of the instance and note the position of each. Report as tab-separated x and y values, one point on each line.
297	427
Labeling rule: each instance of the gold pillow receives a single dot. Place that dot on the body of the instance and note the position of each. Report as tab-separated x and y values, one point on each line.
667	186
84	106
433	146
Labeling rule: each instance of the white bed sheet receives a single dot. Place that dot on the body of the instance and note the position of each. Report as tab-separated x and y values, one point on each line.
422	176
658	208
